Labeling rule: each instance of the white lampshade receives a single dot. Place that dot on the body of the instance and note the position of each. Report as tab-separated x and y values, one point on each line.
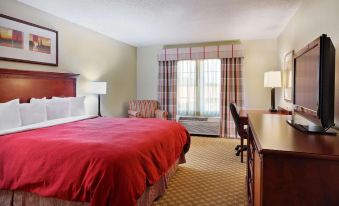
272	79
97	87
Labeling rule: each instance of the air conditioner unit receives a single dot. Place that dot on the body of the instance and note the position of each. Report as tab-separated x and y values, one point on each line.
201	125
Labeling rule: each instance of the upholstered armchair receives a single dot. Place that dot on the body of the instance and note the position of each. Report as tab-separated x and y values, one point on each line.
146	109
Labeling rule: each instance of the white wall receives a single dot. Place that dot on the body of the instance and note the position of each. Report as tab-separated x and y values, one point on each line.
86	52
147	72
313	18
260	56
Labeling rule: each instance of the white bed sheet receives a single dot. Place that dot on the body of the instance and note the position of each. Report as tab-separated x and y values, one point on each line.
48	123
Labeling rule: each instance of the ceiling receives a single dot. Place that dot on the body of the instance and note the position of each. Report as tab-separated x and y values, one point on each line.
155	22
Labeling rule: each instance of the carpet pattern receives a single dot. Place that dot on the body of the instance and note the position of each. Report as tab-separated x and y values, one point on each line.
213	175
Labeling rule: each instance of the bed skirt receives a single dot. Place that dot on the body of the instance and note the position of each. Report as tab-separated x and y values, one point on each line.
152	193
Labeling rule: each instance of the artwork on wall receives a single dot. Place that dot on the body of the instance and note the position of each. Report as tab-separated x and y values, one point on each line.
288	76
22	41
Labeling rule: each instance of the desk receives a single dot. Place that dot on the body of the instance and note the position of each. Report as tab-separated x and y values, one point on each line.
289	167
243	114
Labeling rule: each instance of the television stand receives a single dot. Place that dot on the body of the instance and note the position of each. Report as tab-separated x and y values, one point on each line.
286	167
311	129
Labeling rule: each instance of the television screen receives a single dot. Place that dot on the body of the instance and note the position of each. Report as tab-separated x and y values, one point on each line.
307	79
314	72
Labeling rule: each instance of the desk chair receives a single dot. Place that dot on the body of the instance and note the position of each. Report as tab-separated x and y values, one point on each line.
241	131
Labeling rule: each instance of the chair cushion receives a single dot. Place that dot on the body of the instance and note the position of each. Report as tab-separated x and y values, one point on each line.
145	107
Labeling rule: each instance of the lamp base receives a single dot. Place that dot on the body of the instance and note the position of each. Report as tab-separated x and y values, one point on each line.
99	103
273	110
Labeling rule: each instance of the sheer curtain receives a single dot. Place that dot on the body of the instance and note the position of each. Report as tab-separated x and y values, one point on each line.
186	88
198	87
210	80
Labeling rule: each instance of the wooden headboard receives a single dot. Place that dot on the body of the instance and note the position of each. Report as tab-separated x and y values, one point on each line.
28	84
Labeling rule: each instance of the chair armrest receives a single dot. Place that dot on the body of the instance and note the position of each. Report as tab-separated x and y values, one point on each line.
161	114
132	113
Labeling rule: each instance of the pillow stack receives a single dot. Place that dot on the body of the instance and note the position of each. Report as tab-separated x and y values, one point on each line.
59	107
10	115
34	112
13	114
75	105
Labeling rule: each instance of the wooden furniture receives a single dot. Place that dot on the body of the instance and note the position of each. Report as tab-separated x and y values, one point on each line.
282	110
243	114
288	167
28	84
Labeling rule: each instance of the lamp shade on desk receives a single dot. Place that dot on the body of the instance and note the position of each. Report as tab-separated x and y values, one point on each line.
272	79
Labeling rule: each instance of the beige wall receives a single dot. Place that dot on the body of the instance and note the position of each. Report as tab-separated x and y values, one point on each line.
147	72
313	18
92	55
260	56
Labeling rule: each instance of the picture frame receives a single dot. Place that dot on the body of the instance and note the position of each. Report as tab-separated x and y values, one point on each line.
287	76
22	41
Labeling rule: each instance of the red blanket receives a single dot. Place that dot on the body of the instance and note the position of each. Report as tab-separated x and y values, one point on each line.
104	161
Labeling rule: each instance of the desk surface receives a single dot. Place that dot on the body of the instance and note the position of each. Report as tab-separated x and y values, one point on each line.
272	134
243	114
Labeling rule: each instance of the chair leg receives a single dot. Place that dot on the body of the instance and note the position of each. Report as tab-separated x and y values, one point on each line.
238	152
237	147
242	146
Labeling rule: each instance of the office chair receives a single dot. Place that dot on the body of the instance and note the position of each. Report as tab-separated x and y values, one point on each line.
242	133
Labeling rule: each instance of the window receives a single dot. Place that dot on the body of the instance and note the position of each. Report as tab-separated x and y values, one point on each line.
198	87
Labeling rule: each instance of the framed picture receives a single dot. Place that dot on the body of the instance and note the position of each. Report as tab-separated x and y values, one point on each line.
22	41
288	76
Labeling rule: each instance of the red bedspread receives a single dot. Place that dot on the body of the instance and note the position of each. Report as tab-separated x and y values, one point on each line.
104	161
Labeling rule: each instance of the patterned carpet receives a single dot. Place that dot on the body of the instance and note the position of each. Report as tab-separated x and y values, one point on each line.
213	175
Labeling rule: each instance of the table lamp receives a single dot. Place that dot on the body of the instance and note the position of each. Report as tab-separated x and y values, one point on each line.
98	88
272	79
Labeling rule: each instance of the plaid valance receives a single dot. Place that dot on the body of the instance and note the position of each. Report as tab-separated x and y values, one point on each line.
208	52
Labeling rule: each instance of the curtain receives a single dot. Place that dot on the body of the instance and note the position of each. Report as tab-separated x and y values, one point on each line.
201	52
187	88
231	91
167	87
198	88
210	75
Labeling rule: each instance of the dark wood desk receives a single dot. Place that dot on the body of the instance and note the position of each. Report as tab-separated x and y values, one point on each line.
243	114
288	167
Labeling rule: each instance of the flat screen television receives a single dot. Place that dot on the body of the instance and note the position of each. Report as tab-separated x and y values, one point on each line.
314	73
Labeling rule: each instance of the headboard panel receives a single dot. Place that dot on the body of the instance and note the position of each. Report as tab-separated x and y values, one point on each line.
25	85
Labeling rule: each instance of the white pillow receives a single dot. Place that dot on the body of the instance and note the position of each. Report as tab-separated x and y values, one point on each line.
58	108
33	112
77	105
10	115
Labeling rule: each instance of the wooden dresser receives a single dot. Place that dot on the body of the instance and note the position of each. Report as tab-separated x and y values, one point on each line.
288	167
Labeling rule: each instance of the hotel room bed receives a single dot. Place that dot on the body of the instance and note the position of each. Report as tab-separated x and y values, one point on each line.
89	161
103	161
